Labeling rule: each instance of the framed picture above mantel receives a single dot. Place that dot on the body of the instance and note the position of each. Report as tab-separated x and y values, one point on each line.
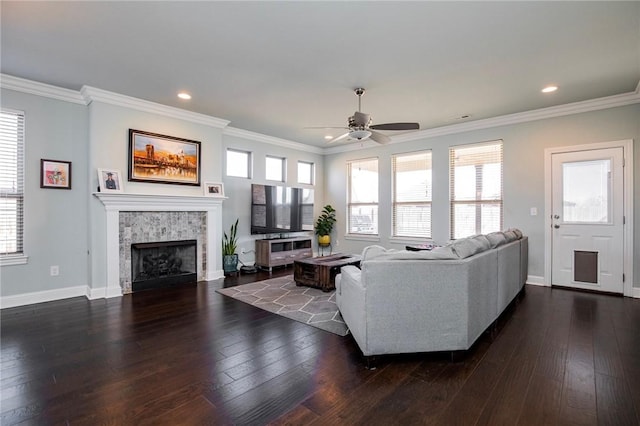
159	158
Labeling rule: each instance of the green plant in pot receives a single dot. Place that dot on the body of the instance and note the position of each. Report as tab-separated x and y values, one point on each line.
324	225
229	246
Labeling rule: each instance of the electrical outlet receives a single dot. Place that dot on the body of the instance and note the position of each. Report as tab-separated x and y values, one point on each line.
54	271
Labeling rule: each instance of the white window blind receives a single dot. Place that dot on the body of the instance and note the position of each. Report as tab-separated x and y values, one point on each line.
11	181
412	194
362	200
476	188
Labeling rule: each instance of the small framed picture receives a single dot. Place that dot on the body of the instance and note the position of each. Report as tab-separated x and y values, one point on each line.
213	189
55	174
110	180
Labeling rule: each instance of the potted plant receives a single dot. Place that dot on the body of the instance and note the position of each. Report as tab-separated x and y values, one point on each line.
229	245
324	225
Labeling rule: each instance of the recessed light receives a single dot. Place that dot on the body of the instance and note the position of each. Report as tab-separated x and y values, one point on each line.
549	89
184	95
328	137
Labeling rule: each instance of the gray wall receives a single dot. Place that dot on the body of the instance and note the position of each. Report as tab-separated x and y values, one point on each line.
66	228
109	149
524	146
55	219
238	206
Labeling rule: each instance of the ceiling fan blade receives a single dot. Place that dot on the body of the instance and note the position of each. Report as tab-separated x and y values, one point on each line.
361	119
380	138
339	138
396	126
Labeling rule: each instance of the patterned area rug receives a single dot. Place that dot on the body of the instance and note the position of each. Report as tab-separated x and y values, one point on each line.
304	304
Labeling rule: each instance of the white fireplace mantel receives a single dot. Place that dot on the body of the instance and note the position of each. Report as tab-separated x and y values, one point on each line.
114	203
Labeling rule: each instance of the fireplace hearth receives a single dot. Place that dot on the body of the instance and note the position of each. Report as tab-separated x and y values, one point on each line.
163	264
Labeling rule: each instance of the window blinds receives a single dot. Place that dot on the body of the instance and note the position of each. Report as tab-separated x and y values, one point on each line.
11	181
363	196
476	188
412	194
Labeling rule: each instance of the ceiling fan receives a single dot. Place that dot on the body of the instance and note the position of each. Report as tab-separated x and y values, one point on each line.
360	127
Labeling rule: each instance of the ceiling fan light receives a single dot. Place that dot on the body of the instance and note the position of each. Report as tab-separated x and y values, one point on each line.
359	134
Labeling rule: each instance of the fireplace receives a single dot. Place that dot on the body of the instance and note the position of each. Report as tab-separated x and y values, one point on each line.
145	218
163	264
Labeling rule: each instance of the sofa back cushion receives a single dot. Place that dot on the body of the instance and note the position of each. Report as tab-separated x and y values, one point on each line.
496	239
466	247
371	252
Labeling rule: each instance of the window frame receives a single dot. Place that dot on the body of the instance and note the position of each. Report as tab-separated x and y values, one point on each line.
350	204
18	256
478	201
283	168
428	189
312	172
249	155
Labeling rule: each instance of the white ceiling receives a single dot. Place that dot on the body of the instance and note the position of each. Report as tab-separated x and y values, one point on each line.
278	67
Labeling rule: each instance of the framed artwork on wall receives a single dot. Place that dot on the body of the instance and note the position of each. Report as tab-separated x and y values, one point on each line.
163	159
55	174
213	189
110	180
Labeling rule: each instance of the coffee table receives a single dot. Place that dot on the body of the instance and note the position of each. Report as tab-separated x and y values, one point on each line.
320	272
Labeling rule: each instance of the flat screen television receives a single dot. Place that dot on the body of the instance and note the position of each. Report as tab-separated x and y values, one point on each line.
279	209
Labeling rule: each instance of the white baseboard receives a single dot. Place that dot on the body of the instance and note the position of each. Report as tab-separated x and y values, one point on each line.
536	280
214	275
42	296
103	293
636	293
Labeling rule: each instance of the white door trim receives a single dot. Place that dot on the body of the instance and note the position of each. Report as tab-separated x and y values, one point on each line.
627	146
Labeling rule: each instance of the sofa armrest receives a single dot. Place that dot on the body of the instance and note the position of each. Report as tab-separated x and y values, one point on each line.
351	300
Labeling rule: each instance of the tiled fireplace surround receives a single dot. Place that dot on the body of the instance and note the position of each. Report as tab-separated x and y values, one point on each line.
136	218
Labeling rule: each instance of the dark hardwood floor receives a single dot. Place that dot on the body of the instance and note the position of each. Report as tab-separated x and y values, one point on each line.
192	356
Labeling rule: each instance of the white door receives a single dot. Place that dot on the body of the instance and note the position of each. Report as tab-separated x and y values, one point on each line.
587	219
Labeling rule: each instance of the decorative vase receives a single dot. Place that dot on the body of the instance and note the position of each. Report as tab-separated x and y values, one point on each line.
324	240
230	263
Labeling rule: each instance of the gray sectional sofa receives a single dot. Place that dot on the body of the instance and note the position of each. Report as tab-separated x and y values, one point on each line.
438	300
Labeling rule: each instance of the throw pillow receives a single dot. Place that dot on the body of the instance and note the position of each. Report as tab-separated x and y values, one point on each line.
516	231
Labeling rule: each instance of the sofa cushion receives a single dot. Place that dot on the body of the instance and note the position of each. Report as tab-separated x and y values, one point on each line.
496	239
438	253
466	247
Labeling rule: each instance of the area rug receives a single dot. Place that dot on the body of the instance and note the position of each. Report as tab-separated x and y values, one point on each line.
304	304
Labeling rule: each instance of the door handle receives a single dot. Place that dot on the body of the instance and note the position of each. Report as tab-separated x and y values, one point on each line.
555	216
556	226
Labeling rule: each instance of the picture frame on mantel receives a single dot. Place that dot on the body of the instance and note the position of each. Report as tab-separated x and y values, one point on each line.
55	174
110	180
213	189
157	158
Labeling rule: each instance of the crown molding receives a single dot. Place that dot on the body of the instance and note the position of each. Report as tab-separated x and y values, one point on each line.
40	89
92	94
523	117
259	137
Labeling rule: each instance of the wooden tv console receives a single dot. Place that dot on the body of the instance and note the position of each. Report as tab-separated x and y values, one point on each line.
282	251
